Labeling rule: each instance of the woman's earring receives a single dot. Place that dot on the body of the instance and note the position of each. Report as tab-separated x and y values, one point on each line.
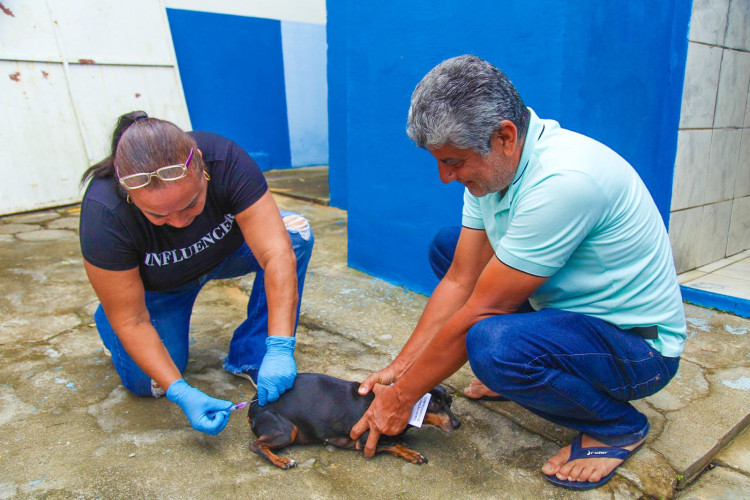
205	174
127	198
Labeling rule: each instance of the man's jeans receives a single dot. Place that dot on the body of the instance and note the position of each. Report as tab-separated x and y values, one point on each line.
571	369
170	314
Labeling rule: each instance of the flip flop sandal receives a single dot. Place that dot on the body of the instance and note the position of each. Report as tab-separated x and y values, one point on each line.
577	452
489	398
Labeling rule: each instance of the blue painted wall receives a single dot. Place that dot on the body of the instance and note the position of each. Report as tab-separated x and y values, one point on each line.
622	82
260	82
337	75
232	73
610	70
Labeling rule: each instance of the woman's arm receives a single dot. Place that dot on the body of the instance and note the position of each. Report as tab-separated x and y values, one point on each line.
266	236
123	299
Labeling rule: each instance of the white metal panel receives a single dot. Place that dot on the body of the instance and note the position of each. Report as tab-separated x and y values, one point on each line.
103	93
42	155
26	32
73	67
107	32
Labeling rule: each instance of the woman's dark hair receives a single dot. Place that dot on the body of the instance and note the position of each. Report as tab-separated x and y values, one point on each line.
143	144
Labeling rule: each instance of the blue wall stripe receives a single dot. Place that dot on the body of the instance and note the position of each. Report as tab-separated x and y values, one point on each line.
734	305
337	70
304	47
232	74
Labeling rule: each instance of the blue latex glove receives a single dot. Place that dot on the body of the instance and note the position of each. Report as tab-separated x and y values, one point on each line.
206	414
278	369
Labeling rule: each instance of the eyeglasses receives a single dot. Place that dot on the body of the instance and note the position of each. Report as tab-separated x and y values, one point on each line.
168	173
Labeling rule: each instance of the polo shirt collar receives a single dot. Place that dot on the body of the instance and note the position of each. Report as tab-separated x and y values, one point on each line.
534	132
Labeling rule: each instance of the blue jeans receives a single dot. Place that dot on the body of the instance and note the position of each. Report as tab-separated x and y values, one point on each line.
170	315
571	369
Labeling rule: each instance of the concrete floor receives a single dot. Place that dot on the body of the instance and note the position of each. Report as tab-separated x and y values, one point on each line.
69	430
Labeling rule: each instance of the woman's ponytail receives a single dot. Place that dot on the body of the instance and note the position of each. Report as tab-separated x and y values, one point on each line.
106	167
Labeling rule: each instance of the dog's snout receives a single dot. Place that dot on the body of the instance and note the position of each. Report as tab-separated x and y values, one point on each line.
455	424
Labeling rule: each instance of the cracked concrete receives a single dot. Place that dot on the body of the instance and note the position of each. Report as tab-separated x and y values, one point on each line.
68	429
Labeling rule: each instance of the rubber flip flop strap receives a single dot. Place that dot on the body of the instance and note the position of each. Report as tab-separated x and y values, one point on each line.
577	452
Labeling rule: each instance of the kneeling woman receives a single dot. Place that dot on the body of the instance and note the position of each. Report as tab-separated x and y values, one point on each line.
164	214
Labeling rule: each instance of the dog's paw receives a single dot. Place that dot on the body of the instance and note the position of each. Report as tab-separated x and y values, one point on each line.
415	457
284	463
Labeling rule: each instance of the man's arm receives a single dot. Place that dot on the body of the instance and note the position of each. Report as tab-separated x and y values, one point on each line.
500	289
472	254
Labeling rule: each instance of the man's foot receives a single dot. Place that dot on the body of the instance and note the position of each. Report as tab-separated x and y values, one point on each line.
586	463
477	390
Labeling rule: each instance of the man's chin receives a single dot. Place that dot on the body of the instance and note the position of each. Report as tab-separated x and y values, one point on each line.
477	191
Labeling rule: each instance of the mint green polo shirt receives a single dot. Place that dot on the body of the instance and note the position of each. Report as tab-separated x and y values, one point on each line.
578	214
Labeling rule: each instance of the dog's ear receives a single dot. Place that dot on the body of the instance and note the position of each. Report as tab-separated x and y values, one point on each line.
439	393
441	400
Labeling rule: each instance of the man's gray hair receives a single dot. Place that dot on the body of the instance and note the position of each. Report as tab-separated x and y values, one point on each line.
461	102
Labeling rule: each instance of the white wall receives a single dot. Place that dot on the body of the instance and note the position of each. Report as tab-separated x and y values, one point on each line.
710	213
73	67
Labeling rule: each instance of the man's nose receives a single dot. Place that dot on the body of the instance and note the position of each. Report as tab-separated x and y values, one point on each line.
446	173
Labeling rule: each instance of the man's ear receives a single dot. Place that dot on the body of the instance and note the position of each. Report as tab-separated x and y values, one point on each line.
506	137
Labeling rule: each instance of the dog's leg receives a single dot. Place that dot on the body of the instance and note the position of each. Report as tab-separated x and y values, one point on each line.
346	443
399	450
265	443
274	431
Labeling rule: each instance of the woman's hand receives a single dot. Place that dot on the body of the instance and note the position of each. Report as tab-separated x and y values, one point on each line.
277	370
206	414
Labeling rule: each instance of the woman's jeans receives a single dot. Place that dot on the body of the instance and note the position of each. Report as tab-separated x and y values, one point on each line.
170	314
571	369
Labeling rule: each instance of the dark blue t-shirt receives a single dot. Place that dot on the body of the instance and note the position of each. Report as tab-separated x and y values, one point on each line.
116	236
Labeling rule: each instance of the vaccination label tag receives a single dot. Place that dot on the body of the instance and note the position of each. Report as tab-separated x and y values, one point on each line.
419	410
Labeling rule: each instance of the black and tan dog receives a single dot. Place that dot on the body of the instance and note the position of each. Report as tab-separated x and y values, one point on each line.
323	409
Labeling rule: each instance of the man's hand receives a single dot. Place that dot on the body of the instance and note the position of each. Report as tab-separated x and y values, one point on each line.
277	370
388	414
386	376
